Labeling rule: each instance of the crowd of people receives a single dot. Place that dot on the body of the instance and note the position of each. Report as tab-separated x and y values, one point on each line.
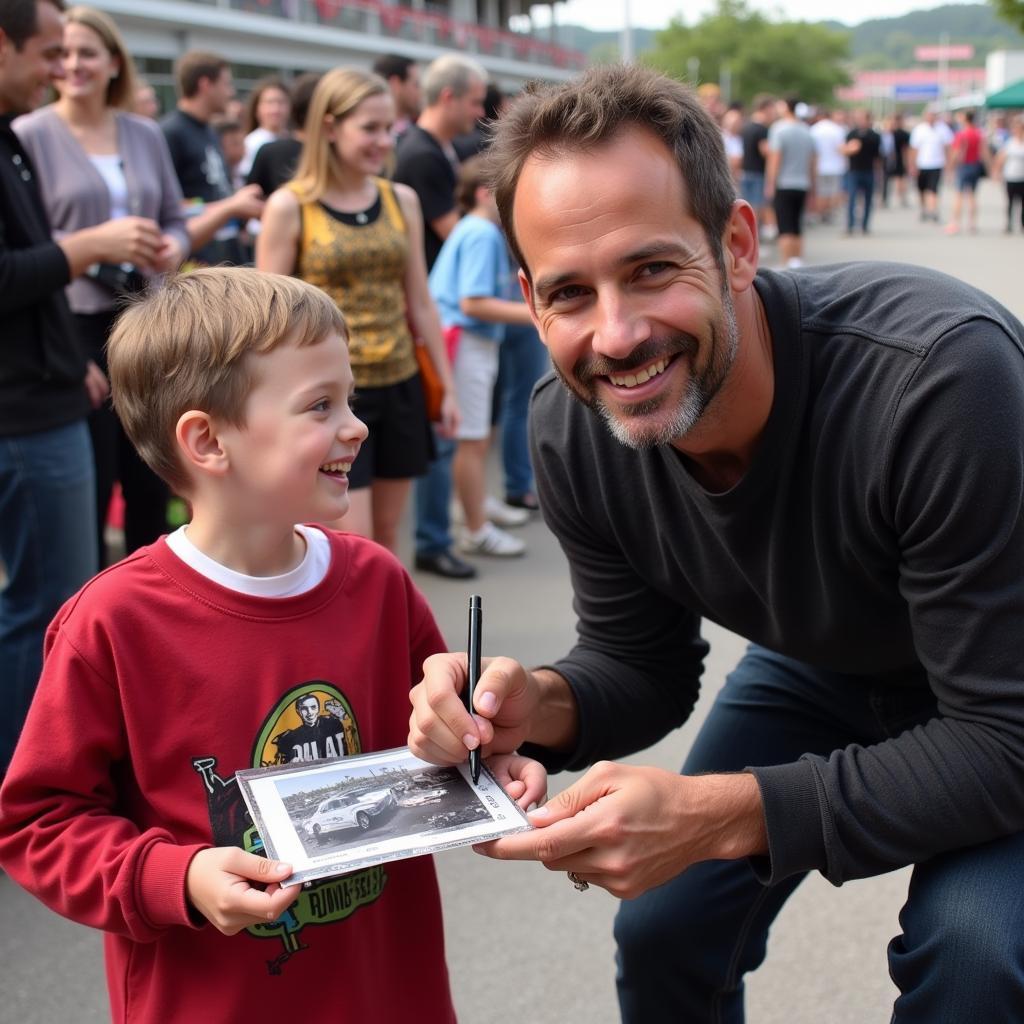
799	165
294	312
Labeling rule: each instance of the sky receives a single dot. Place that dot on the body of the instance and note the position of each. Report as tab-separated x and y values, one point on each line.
604	15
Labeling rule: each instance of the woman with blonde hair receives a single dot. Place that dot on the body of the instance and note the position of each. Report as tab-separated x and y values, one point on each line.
97	162
341	226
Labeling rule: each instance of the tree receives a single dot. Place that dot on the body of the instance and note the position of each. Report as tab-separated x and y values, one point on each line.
755	54
1011	11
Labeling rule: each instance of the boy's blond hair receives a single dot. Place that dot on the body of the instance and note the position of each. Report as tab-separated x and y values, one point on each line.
185	345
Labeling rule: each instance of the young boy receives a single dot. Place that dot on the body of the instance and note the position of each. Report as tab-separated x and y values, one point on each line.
468	282
213	650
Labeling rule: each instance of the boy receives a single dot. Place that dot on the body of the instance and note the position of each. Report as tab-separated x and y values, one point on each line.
467	281
203	654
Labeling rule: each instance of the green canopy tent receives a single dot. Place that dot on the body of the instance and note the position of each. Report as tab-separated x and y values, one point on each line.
1012	97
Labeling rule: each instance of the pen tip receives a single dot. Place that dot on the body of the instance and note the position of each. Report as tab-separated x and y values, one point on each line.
474	601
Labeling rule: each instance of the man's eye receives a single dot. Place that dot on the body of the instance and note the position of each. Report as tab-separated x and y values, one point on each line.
566	294
653	269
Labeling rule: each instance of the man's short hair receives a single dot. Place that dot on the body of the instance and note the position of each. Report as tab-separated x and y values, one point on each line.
393	65
764	101
185	345
454	72
591	110
195	65
19	19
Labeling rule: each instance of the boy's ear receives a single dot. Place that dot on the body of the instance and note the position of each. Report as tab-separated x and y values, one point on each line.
199	442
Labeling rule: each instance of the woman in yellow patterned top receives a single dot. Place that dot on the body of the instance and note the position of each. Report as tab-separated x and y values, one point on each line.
342	227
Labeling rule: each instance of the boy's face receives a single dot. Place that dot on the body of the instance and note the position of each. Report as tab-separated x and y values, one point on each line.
289	460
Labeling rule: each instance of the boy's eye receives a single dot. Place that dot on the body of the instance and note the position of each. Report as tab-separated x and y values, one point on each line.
322	406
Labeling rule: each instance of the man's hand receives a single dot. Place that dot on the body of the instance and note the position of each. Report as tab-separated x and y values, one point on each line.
218	886
97	387
441	730
629	829
522	778
247	203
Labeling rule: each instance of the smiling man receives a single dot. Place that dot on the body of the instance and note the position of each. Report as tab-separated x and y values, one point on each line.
829	463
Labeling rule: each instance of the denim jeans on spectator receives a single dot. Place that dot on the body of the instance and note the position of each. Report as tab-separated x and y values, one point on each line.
523	361
48	548
433	532
685	946
862	182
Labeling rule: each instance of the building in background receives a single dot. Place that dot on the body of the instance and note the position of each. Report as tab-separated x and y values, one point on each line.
288	37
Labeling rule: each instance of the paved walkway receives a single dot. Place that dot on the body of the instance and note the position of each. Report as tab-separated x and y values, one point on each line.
523	945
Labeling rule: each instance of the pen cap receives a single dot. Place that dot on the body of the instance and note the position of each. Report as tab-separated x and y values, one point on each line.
474	603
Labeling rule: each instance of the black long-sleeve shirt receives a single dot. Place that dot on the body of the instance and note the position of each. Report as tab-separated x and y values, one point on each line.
878	531
42	368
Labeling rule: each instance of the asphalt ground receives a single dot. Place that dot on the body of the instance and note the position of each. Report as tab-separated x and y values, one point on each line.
523	945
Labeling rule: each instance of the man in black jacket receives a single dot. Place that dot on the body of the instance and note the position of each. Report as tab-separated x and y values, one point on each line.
47	514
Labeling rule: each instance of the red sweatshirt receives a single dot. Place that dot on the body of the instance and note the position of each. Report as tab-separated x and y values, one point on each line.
157	686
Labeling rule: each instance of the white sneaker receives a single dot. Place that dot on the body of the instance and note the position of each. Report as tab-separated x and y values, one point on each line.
504	515
491	540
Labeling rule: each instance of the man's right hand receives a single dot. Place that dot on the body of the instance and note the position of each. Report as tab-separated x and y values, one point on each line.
441	730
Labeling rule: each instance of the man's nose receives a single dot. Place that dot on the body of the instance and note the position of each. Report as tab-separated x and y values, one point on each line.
619	329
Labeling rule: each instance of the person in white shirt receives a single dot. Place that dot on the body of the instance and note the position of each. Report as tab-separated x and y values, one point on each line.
829	134
929	141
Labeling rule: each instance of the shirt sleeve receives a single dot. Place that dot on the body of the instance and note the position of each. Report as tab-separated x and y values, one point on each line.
61	837
636	666
954	494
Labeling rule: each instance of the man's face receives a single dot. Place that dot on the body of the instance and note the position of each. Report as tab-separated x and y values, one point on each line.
408	95
220	92
26	74
309	710
626	291
465	110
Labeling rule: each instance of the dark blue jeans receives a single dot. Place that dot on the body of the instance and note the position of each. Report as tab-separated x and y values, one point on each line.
48	547
432	530
523	361
862	183
685	946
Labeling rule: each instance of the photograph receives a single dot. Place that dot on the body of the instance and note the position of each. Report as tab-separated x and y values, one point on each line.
334	815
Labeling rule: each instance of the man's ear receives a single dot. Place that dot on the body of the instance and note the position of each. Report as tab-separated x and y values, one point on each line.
740	247
200	444
526	287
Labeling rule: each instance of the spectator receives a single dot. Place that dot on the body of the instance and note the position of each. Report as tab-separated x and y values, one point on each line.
968	158
403	77
267	114
476	140
145	103
342	227
454	89
468	283
231	136
789	178
829	139
862	149
98	163
732	139
752	167
929	141
47	387
1009	165
215	212
275	163
895	142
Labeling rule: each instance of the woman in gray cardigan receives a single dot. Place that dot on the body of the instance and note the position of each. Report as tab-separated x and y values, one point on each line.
96	162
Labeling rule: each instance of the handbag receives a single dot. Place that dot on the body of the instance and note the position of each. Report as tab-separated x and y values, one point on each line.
433	389
120	278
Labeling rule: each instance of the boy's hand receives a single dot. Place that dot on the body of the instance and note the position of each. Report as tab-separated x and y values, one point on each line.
522	778
218	886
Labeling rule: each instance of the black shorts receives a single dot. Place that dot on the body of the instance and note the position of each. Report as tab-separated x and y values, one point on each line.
789	210
928	180
400	445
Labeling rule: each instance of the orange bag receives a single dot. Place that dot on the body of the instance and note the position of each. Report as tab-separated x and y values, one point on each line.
433	390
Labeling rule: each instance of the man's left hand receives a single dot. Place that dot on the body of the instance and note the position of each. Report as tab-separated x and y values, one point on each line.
628	828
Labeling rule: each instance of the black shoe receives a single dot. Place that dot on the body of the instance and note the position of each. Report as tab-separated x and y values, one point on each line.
527	501
445	564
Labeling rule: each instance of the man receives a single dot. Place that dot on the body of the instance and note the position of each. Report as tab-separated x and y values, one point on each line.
929	142
216	212
454	88
754	137
829	136
319	735
789	178
403	77
863	149
806	459
47	500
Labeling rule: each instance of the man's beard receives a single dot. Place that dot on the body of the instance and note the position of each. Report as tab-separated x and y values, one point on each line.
698	392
